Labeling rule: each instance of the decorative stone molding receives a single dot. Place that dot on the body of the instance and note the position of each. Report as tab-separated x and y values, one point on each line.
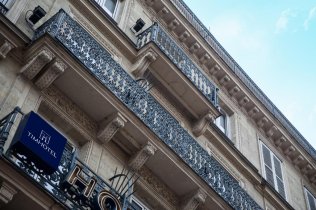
142	63
49	76
184	36
252	113
140	158
173	24
37	63
271	131
200	126
194	47
262	122
280	141
110	126
158	186
224	80
298	160
215	69
5	49
150	2
244	101
164	11
6	193
192	202
289	151
307	169
205	58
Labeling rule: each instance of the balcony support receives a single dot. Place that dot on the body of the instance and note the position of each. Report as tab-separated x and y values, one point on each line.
5	49
193	201
7	191
140	158
142	63
200	126
110	126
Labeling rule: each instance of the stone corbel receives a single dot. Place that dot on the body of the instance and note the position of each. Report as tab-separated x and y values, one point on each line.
244	101
49	76
290	150
110	126
313	179
224	80
215	69
194	47
140	158
6	193
200	126
173	24
164	11
233	92
142	63
5	49
150	2
253	112
193	201
184	36
262	122
307	169
271	131
280	141
35	65
298	160
205	58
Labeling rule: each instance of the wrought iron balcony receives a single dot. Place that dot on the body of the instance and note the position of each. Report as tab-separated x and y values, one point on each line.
241	74
3	8
77	41
178	57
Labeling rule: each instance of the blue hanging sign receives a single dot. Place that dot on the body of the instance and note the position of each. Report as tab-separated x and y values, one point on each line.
40	142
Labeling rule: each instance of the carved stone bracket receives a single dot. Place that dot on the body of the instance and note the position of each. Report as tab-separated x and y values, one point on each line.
6	193
142	63
184	36
289	151
110	126
140	158
280	141
262	122
215	69
205	58
194	47
192	202
200	126
161	13
48	77
224	80
271	131
244	101
173	24
35	65
5	49
252	113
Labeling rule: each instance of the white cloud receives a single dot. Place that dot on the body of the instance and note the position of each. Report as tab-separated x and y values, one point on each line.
311	15
283	21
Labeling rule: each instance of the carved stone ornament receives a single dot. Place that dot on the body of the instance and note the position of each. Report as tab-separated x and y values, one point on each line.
140	158
142	63
48	77
6	193
110	126
200	126
37	63
194	201
5	49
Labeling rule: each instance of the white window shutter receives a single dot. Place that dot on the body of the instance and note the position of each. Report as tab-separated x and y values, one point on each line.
311	200
279	177
267	165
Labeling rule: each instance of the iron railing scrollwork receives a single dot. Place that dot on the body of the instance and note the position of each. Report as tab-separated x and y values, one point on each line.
178	57
99	63
241	74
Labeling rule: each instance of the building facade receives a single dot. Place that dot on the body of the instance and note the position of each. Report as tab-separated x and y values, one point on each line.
155	113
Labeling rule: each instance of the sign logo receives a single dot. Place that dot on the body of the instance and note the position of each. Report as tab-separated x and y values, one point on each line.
40	142
44	137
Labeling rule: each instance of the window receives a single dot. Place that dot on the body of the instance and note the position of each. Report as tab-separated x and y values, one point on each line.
109	6
311	201
272	169
137	205
5	5
222	122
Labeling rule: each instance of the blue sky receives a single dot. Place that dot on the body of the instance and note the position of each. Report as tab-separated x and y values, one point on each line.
275	43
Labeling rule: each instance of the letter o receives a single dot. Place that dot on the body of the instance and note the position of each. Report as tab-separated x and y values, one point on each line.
107	201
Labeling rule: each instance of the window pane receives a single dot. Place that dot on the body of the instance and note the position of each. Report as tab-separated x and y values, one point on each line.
277	166
110	5
266	156
311	201
281	187
269	176
136	206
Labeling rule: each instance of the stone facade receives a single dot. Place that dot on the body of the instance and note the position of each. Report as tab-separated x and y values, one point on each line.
145	103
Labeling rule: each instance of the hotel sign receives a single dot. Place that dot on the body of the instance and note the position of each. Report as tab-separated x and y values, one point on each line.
40	142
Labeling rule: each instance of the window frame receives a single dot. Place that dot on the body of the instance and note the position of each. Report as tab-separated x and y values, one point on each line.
273	168
113	15
226	129
306	192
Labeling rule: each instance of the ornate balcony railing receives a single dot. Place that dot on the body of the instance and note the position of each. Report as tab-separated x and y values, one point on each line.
99	63
241	74
56	184
179	58
3	8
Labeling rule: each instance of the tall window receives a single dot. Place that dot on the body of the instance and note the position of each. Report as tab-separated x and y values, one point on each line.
108	5
272	169
222	122
137	205
311	201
